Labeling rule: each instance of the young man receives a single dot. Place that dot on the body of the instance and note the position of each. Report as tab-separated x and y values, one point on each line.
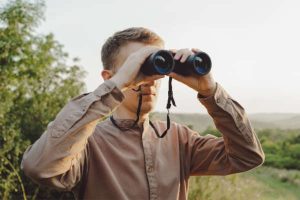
119	159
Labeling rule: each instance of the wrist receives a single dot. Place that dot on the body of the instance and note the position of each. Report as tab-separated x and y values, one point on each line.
208	90
120	84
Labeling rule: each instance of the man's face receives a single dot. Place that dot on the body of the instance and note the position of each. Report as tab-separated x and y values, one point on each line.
149	89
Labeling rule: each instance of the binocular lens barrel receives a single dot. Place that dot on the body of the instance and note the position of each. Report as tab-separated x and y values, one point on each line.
198	63
202	63
162	62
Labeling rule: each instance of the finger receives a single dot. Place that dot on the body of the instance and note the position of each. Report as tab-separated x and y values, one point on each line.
185	56
181	53
178	77
173	50
150	49
178	55
172	74
195	50
175	76
144	52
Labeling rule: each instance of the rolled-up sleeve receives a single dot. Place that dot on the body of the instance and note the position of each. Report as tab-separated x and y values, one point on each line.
58	158
238	149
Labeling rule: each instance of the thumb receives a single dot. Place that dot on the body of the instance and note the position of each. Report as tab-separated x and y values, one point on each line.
175	76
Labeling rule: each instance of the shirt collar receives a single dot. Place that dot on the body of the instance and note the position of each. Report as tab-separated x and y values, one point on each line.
125	124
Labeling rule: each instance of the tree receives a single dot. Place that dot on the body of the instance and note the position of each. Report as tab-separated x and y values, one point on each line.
35	83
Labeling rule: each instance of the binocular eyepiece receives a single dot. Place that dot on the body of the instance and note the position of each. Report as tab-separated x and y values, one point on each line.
163	62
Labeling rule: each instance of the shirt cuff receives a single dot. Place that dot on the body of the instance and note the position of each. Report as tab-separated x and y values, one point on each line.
109	87
216	100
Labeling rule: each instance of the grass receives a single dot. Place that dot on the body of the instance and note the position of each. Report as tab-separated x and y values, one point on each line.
278	183
263	183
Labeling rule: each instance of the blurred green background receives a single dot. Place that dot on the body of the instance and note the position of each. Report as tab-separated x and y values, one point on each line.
36	81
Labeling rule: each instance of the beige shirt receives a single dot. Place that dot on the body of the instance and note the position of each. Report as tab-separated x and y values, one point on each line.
100	161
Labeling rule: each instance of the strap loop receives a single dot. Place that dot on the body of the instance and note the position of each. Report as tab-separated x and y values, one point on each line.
170	102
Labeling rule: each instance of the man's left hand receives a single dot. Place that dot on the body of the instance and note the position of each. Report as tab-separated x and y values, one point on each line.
204	85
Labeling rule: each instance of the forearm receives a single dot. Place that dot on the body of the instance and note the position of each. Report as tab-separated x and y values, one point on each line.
65	139
241	143
119	82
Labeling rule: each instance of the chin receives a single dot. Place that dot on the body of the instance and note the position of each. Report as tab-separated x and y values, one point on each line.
147	108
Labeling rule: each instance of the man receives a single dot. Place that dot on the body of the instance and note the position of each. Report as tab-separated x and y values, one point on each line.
120	159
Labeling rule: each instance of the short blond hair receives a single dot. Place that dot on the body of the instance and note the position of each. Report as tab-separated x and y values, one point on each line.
111	47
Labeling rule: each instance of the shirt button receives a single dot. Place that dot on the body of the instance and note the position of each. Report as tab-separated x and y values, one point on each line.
149	169
218	100
153	197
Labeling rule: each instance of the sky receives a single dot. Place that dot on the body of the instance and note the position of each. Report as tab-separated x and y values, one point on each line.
254	45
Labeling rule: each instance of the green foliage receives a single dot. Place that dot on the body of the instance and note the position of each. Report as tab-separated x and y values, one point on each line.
261	183
35	83
216	187
281	147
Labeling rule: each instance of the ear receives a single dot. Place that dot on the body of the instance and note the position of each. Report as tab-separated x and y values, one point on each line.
106	74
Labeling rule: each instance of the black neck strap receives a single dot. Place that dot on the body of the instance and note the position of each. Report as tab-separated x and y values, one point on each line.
170	102
137	112
139	105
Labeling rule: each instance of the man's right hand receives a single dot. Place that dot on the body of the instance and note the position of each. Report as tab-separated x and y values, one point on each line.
129	75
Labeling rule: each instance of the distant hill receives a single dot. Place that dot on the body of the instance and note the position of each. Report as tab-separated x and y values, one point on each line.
200	122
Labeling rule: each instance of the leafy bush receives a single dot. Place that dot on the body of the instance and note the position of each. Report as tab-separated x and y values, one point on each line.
281	147
35	83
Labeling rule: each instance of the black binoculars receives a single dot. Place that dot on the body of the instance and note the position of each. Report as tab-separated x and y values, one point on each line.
163	62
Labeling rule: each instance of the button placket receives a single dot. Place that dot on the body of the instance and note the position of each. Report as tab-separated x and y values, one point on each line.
150	170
